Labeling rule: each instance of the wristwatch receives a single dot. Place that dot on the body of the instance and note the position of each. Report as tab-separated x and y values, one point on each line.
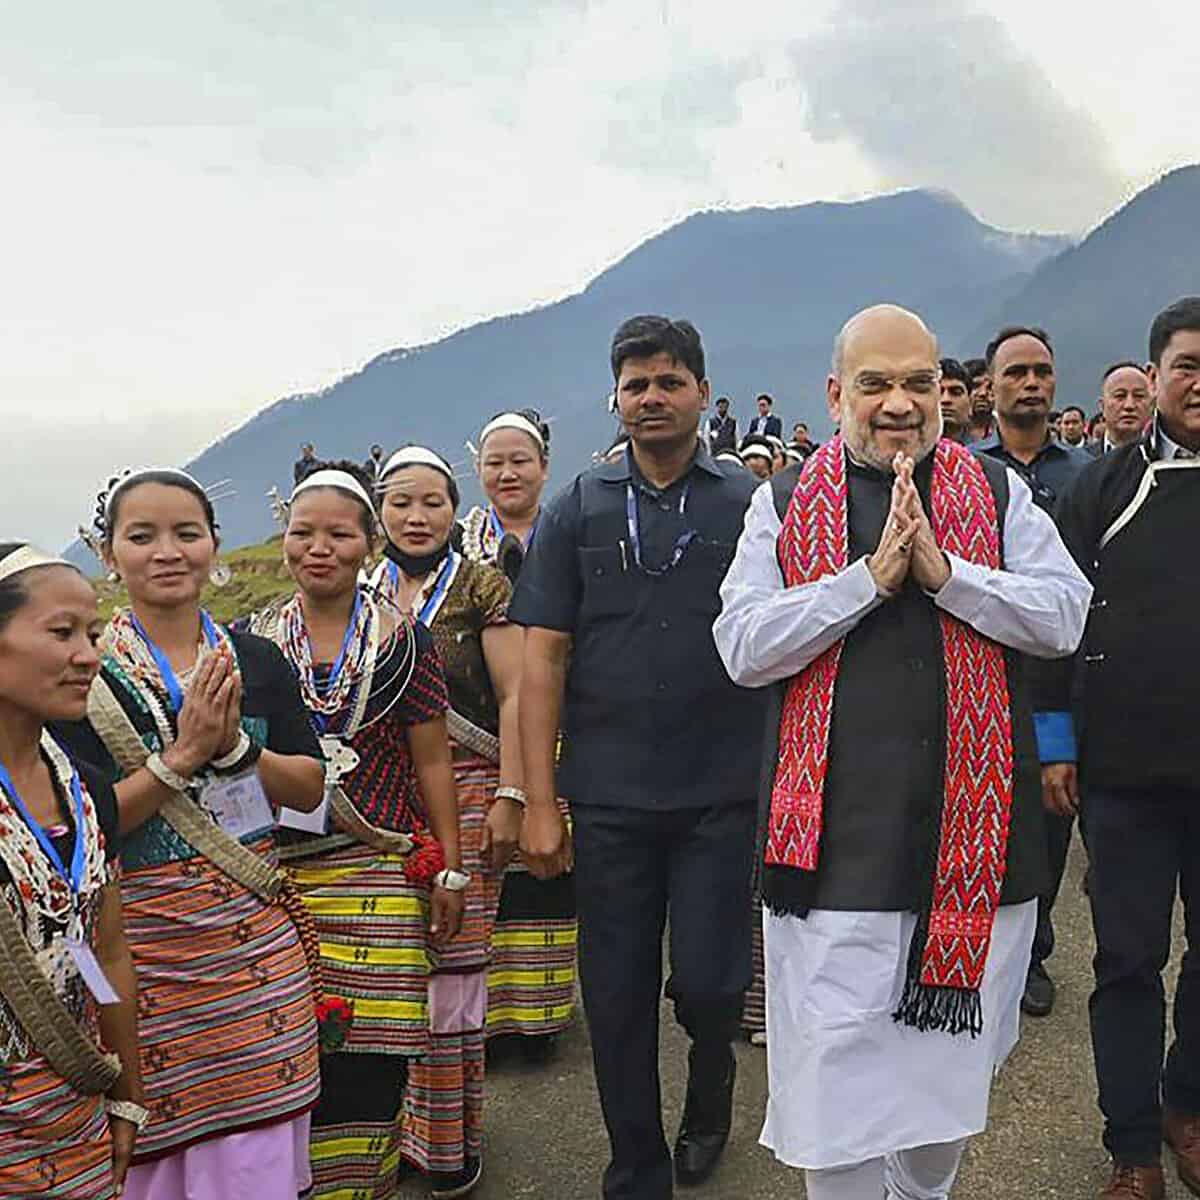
452	880
128	1110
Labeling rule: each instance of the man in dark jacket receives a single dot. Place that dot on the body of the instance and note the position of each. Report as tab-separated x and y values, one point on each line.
1130	521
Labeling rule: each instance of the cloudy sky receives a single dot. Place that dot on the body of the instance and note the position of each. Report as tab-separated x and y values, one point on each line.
206	206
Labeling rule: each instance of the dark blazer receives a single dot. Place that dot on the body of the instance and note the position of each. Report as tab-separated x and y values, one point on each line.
769	426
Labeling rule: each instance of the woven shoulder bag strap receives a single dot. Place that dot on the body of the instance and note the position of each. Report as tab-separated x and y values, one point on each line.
239	862
46	1019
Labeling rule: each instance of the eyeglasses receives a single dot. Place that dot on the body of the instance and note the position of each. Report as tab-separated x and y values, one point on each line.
920	383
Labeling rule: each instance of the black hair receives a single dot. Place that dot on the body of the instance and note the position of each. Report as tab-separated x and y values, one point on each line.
953	369
354	470
535	419
646	336
1054	415
1011	331
451	483
975	367
13	593
767	397
1075	408
1182	316
1120	366
722	399
108	502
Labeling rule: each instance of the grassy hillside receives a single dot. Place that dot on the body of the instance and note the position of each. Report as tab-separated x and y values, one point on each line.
259	577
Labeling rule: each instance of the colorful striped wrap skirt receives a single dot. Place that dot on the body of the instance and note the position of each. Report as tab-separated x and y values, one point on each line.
531	980
53	1140
226	1022
443	1108
372	924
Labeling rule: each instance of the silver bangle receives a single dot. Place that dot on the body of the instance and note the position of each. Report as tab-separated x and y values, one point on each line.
164	774
240	750
128	1110
452	880
515	794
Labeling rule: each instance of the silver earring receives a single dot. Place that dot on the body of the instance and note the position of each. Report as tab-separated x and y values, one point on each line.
220	575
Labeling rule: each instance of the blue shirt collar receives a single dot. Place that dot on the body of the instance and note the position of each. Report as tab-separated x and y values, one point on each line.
624	470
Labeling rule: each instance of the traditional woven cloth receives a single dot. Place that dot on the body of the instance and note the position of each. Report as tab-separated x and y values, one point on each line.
951	943
54	1142
443	1114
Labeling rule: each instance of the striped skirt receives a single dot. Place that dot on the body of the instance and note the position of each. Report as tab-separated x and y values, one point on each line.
372	925
443	1106
531	982
227	1031
53	1141
754	1008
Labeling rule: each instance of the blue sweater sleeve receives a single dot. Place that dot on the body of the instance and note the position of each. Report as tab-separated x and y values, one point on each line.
1055	737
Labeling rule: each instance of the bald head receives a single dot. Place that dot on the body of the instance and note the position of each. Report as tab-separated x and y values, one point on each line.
886	328
883	391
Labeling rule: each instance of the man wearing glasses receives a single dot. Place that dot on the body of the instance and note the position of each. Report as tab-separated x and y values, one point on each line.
660	752
1020	362
887	598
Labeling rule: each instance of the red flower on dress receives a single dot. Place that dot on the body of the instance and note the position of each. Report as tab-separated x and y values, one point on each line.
424	861
334	1018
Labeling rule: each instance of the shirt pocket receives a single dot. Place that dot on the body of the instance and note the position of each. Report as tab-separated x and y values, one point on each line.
701	573
607	583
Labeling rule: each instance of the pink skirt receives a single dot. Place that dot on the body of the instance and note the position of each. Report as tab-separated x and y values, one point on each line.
270	1163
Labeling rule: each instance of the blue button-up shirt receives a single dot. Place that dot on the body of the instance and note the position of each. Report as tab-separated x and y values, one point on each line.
651	719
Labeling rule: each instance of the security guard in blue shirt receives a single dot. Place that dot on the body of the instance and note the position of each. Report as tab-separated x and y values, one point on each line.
660	752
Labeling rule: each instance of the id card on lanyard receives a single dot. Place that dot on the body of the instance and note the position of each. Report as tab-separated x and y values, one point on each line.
82	954
239	804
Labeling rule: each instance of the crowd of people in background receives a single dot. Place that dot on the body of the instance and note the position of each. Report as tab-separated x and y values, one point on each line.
829	713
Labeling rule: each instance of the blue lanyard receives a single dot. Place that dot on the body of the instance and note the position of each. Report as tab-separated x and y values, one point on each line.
320	719
439	590
498	529
169	678
75	877
682	542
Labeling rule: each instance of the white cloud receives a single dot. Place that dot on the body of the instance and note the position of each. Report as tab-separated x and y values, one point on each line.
210	206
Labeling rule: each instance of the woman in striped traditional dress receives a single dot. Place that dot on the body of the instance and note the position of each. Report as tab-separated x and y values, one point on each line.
70	1112
206	734
531	982
386	842
464	604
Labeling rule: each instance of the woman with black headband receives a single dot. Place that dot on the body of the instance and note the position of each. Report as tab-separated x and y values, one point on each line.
531	982
464	604
71	1111
204	737
378	863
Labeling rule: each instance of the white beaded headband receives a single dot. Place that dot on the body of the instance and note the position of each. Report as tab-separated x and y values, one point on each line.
342	481
512	421
414	456
25	559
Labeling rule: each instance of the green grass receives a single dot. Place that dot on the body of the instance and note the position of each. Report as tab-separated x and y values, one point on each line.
259	577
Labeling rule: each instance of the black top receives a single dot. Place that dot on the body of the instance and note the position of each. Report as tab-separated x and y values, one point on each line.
1049	475
1136	692
651	718
887	740
722	433
272	713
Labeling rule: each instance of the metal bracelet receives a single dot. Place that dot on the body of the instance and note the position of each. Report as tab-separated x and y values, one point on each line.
128	1110
515	794
164	774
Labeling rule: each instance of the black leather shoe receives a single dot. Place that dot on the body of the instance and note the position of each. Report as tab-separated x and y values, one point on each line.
707	1116
1038	1000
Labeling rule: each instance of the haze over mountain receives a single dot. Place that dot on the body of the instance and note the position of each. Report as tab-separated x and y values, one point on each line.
768	289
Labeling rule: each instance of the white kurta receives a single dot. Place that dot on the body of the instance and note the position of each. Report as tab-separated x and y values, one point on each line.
847	1083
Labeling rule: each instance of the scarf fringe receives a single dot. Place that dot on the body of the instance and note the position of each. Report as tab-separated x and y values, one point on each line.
926	1006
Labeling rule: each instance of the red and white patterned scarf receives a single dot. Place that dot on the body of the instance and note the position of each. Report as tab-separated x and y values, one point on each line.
950	946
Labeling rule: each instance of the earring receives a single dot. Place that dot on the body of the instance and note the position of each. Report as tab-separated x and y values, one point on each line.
220	575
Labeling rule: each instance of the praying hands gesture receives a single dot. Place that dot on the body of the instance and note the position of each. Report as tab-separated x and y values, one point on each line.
907	545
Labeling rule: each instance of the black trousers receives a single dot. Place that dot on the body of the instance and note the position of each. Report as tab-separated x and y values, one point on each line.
1142	846
1058	843
632	867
